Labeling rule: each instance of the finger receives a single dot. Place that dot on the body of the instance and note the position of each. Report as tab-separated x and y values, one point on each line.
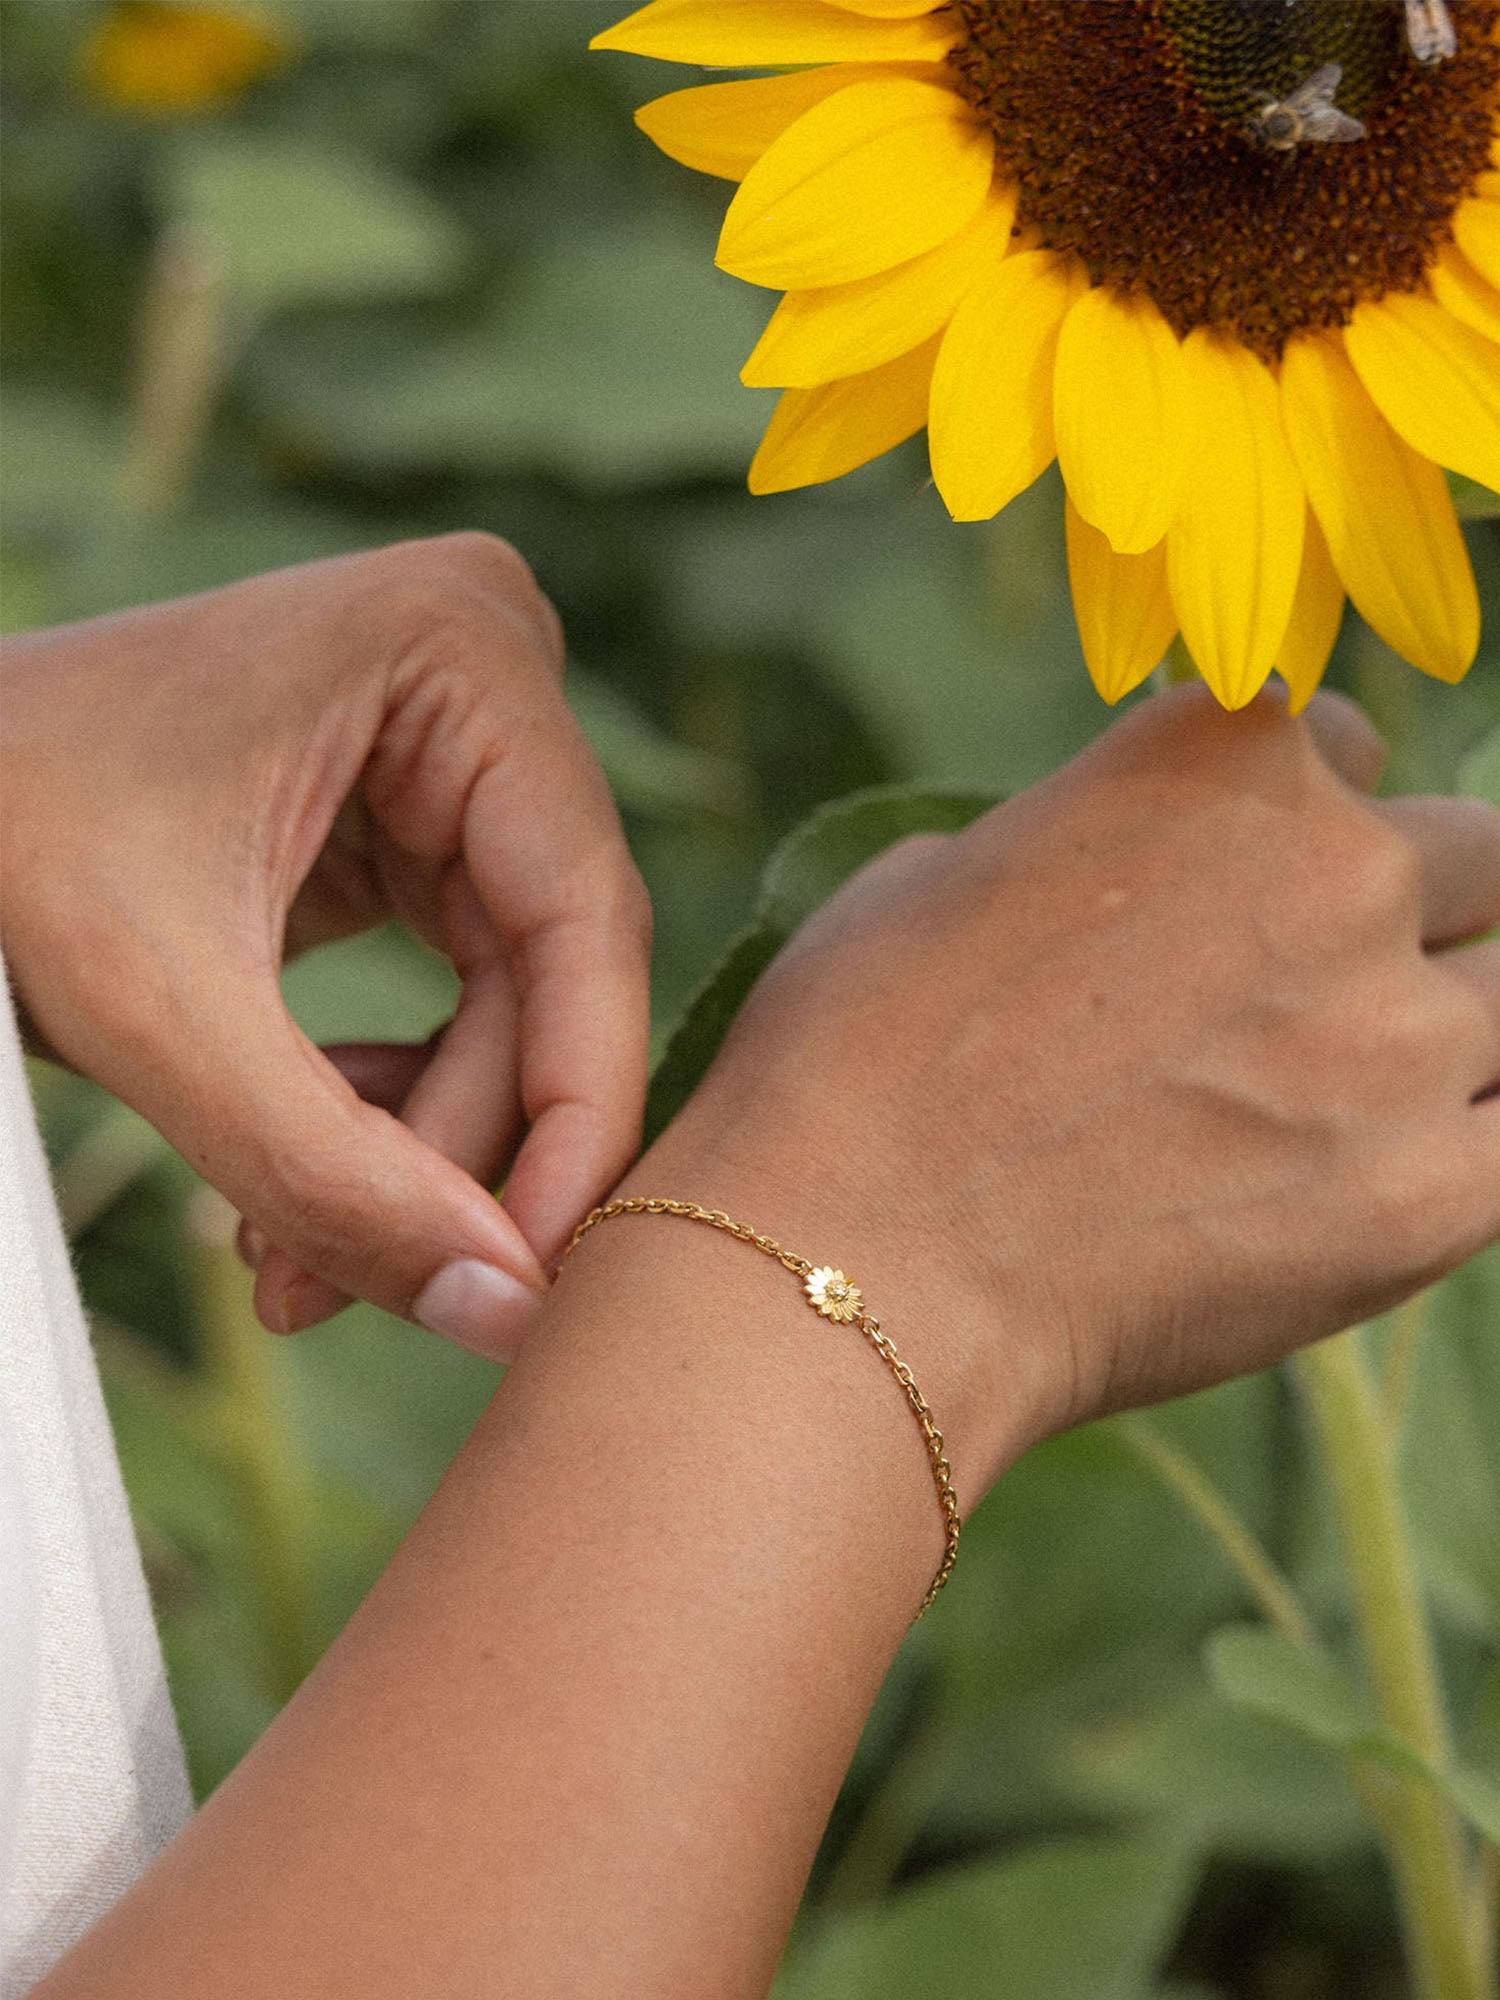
1478	966
456	1091
1458	844
340	1187
466	1102
290	1299
384	1074
250	1245
1188	725
547	856
1346	739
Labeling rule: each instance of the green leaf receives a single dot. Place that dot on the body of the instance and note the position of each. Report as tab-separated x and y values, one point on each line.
710	1015
1311	1695
839	838
802	874
298	221
1221	1778
955	646
1479	773
607	356
62	457
384	985
1450	1466
648	771
1265	1673
1473	501
1069	1920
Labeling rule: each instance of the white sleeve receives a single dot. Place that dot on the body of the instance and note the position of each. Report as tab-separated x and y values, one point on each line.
92	1781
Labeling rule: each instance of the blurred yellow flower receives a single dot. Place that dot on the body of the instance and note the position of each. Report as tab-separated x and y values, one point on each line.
1236	267
146	55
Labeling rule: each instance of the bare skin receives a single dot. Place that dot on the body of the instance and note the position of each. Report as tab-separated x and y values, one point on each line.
1151	1076
196	791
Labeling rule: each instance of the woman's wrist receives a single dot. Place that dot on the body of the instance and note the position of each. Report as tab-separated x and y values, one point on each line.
978	1378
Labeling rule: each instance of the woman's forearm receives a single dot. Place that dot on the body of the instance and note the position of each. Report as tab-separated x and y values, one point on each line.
584	1735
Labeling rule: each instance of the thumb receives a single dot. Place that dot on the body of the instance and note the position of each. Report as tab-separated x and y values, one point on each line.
1345	738
343	1188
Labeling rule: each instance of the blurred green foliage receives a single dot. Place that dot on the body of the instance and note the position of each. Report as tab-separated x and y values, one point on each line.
454	287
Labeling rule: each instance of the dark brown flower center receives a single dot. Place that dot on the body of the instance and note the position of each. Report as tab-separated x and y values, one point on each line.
1146	136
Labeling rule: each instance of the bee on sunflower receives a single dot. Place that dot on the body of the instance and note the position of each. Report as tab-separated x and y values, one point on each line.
1235	264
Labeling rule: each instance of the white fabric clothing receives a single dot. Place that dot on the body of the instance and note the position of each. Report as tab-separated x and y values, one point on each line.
92	1779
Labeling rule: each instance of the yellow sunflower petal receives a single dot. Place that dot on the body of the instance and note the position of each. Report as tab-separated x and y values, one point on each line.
1117	404
1317	613
1235	550
1122	605
823	433
1391	528
837	330
866	179
888	10
750	34
1435	381
992	388
1459	289
723	128
1476	230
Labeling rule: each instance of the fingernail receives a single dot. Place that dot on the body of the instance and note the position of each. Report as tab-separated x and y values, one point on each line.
306	1301
252	1246
478	1306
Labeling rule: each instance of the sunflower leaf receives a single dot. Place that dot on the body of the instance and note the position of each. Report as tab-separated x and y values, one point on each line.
1312	1696
1479	773
650	772
299	221
1078	1919
803	873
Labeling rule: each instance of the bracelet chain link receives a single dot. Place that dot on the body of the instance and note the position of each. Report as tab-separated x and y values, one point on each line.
868	1324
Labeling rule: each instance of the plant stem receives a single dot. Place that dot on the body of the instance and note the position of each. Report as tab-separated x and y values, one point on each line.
1246	1556
252	1424
180	367
1425	1844
1409	1325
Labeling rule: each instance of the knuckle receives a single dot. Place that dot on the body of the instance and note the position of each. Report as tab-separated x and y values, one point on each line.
465	587
488	557
913	846
901	858
1388	875
1393	1038
627	903
642	910
1411	1195
1478	819
1372	876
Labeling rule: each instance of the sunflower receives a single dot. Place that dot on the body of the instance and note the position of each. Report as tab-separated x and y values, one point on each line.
1235	264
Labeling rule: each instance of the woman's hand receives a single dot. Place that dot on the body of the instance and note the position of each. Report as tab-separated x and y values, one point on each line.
196	790
1149	1077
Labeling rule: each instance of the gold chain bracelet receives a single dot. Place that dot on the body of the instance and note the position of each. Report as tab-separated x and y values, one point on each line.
834	1297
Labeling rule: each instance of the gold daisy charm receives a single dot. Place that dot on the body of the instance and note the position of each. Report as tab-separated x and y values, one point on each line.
833	1295
1235	267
